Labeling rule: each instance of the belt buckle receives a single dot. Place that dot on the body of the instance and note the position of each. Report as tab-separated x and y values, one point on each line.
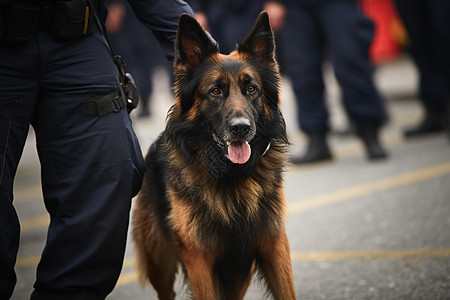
116	104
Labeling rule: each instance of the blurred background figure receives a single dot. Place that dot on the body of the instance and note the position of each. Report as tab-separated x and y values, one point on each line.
314	30
229	21
428	25
138	46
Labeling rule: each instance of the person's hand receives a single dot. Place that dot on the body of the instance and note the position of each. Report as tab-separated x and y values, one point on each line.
277	14
202	19
116	16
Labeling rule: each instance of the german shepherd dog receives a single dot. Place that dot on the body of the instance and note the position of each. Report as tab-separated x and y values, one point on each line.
212	197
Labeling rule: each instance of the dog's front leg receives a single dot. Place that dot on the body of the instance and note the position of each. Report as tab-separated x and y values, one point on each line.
275	266
199	270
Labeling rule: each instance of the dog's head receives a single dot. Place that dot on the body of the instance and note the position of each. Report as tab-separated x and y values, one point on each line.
231	97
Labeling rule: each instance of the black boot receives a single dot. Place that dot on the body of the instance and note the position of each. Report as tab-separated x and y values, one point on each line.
369	136
317	150
433	122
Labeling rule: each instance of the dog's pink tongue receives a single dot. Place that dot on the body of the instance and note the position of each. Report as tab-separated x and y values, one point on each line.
239	152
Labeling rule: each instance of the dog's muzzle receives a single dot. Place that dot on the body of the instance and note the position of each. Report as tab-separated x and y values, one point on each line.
240	127
241	133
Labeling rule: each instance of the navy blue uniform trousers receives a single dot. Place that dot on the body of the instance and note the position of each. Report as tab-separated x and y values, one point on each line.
315	29
90	166
428	25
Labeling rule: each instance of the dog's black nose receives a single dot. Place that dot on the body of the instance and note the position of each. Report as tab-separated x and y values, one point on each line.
240	126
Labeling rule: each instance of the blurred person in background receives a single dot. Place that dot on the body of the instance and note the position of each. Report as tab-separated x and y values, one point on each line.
314	30
229	21
428	25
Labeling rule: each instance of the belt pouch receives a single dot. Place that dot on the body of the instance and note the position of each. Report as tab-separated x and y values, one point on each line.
22	21
72	19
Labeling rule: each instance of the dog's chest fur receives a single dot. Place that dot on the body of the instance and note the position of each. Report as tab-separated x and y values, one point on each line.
230	206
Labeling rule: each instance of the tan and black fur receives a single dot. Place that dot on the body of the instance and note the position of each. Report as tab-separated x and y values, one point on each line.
221	215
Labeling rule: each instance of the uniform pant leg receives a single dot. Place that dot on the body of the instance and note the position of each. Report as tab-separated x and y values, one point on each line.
439	15
440	12
302	42
349	34
18	90
91	167
417	15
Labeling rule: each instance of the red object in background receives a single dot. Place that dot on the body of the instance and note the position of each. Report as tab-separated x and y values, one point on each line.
389	33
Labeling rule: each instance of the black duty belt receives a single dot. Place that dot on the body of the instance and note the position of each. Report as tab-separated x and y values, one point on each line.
127	95
66	20
102	106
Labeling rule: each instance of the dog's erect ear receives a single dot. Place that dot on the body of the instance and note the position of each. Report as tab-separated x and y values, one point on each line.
260	40
193	44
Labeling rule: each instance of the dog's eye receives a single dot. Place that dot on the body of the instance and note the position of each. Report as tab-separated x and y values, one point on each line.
216	92
251	89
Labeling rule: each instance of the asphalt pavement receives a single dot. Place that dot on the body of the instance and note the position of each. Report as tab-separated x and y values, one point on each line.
357	229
